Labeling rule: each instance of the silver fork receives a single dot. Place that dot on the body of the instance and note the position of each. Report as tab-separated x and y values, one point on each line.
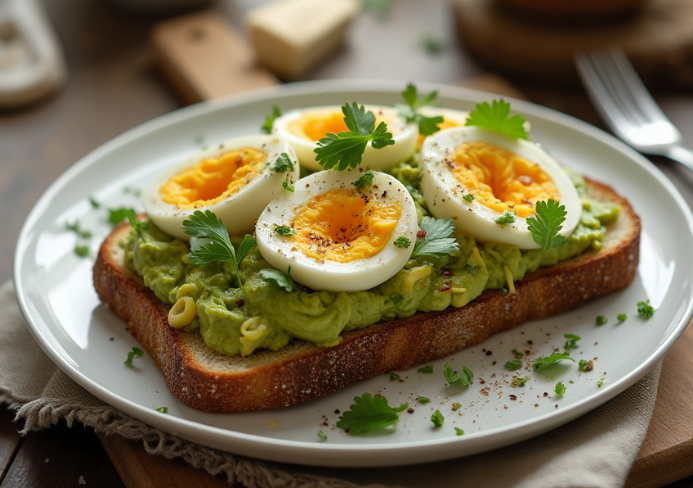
627	106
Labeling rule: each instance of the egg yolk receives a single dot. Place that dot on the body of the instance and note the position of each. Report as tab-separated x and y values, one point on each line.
344	226
214	179
445	124
313	126
500	179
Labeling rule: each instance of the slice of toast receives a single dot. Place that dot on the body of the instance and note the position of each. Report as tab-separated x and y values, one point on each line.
210	381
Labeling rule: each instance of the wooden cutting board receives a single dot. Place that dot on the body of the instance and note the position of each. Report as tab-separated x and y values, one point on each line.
667	453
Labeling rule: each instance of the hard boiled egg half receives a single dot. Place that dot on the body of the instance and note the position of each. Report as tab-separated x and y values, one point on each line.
337	237
303	128
235	180
476	176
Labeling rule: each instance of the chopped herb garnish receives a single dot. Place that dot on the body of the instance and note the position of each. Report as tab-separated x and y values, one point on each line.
469	197
398	300
426	370
459	431
518	354
621	317
269	120
162	409
520	381
546	361
409	110
369	413
506	219
394	376
345	150
547	223
282	280
288	186
431	44
283	164
117	215
495	117
600	320
453	377
135	353
585	365
137	225
380	8
284	231
364	180
571	342
437	419
82	251
436	240
402	241
423	400
600	383
456	406
645	309
513	365
210	242
559	389
322	436
503	290
94	203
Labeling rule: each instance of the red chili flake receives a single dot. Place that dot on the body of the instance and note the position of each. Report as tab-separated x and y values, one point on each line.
421	234
448	272
446	288
240	302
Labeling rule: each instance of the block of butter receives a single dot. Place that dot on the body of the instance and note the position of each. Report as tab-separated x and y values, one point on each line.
291	36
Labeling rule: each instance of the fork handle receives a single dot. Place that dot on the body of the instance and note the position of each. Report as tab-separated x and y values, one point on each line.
681	154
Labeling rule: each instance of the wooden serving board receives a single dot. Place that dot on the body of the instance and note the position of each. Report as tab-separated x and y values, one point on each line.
667	453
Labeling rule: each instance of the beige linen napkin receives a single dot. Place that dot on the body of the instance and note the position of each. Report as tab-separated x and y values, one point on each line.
594	451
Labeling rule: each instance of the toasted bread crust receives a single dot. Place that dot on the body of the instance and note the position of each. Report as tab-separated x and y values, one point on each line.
210	381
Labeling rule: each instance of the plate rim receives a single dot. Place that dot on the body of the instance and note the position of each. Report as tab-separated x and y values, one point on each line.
531	427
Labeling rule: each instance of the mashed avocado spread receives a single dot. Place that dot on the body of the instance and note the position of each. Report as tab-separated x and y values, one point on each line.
237	320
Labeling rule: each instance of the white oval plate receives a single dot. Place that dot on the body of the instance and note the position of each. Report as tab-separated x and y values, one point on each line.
89	343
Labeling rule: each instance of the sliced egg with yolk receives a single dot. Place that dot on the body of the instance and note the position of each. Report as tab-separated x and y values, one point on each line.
476	176
341	238
235	180
451	118
303	129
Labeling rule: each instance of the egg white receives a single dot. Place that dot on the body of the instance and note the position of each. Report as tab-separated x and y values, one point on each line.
238	211
357	275
443	192
404	134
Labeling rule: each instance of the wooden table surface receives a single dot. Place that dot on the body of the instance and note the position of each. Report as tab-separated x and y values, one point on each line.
114	86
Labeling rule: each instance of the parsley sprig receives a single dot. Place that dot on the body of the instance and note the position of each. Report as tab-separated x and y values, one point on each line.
266	127
409	110
546	361
282	280
436	240
462	378
495	117
547	224
345	150
210	242
369	413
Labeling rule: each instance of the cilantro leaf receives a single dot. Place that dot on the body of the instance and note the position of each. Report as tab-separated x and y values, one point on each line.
622	317
283	163
426	369
547	223
518	354
495	117
506	219
82	251
437	419
436	240
559	389
135	353
269	120
600	320
94	202
210	242
284	230
468	197
282	280
571	343
513	365
163	409
358	120
117	215
645	309
459	431
322	436
402	241
454	378
546	361
423	400
75	227
520	381
408	111
369	413
364	181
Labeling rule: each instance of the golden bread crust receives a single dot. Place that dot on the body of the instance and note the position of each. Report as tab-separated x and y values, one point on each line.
207	380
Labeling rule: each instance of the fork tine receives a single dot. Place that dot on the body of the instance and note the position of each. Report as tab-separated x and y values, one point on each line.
599	94
636	89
